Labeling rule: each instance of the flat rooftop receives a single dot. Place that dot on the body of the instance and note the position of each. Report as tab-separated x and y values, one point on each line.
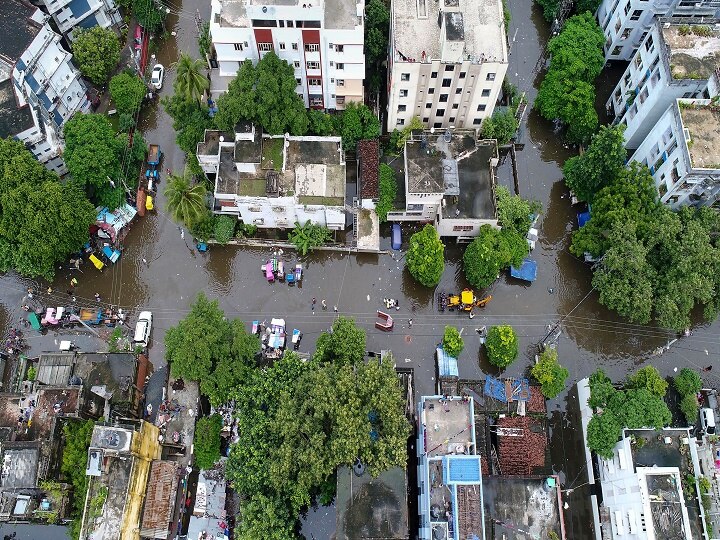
703	123
524	504
107	522
17	29
448	425
665	503
51	403
372	508
116	371
694	50
417	30
209	514
19	467
211	144
13	119
338	14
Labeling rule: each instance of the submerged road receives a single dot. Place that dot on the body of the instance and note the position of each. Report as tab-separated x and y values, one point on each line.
591	336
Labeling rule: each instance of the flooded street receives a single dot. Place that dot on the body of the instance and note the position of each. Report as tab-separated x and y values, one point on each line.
591	337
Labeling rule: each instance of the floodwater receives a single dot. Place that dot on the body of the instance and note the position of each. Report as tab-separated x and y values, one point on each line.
591	336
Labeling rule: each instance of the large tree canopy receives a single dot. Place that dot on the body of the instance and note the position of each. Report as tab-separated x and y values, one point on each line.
92	151
41	219
97	52
492	252
127	92
425	259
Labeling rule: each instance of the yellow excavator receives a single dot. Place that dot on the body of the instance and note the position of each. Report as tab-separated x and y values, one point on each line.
466	301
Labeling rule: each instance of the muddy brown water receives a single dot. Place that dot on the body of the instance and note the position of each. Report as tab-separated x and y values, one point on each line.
591	335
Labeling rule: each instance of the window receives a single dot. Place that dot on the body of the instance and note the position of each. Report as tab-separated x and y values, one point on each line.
638	62
298	80
312	65
477	121
340	82
296	63
627	8
649	43
289	24
446	83
404	76
264	47
443	98
450	67
440	112
455	106
431	90
402	108
332	81
428	105
238	46
462	74
490	77
403	93
636	15
452	119
294	46
314	82
426	120
400	122
339	66
433	75
458	90
312	47
485	92
340	100
332	63
437	125
282	46
282	24
481	108
617	50
339	48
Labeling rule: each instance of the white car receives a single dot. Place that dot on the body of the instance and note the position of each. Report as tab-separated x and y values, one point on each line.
158	74
143	328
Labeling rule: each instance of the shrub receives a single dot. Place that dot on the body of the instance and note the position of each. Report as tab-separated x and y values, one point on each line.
650	379
31	373
689	406
549	373
309	236
452	341
388	192
687	382
207	441
502	345
224	229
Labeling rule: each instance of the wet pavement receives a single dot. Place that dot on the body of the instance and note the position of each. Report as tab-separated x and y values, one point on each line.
591	336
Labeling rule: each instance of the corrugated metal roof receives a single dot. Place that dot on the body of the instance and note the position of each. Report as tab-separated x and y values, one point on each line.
447	365
160	500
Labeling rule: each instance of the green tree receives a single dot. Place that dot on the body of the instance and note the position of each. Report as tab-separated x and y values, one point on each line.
96	52
578	49
388	192
502	345
308	236
587	5
190	120
501	126
452	341
377	30
204	41
514	212
571	101
603	433
76	436
549	373
321	123
224	229
127	92
199	341
687	382
549	8
126	122
601	389
92	151
238	103
492	252
148	14
190	82
425	257
690	406
358	122
185	202
599	166
345	345
648	378
265	517
206	442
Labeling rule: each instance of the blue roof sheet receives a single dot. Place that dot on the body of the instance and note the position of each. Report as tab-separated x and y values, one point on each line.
447	365
526	272
583	218
463	470
79	8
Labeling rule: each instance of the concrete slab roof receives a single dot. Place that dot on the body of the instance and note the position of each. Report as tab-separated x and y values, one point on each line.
17	28
693	50
337	14
114	482
703	123
13	119
19	467
448	425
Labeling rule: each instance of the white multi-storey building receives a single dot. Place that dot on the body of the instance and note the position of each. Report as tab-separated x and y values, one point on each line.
625	23
46	86
683	153
673	61
322	39
447	62
273	181
69	14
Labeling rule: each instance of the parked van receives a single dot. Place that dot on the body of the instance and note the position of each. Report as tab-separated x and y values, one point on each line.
707	421
143	328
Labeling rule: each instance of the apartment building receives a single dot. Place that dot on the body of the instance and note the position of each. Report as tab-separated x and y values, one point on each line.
46	87
626	23
71	14
275	181
683	153
447	61
673	61
322	39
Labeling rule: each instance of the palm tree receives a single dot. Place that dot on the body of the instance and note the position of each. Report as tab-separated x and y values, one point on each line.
190	81
185	202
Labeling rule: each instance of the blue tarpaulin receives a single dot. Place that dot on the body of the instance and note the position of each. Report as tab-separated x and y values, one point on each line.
447	365
583	218
396	236
112	254
496	389
526	272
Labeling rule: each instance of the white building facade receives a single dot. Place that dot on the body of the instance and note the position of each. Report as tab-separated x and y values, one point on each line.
683	154
671	63
625	23
322	39
447	62
71	14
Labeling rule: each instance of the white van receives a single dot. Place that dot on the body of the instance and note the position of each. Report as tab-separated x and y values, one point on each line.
143	328
707	421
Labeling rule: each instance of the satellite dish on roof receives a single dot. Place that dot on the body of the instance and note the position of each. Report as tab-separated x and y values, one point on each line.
264	9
